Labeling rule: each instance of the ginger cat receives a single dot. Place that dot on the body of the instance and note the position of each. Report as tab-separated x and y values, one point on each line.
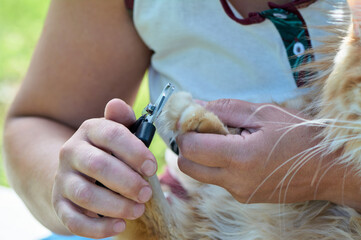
212	213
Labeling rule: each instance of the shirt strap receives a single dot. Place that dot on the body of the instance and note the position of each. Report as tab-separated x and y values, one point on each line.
295	36
129	4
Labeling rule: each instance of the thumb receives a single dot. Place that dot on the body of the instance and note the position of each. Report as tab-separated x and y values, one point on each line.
233	112
117	110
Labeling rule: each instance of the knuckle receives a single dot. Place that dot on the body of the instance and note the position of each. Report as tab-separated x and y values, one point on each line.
95	163
224	104
88	129
83	194
111	133
89	123
65	152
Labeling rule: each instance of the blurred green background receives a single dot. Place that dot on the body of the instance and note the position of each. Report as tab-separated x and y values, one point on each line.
21	22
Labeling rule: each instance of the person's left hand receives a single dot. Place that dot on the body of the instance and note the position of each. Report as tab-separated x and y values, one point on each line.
272	157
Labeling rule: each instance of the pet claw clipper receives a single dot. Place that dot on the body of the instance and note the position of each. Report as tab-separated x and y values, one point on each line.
144	128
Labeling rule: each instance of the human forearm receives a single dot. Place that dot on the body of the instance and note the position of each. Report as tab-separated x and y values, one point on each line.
31	147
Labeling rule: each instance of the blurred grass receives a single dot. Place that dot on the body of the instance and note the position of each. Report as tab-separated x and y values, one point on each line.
20	26
21	22
3	181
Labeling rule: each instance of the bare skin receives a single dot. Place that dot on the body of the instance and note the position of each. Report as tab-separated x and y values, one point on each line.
243	165
74	72
59	127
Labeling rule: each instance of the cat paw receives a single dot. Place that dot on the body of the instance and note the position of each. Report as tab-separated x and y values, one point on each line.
182	114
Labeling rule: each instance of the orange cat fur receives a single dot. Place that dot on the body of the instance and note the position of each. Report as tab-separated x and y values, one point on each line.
212	213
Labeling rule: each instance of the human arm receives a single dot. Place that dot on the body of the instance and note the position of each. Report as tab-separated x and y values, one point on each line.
88	53
252	166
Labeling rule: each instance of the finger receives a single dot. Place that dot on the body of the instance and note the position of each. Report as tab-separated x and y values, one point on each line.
100	200
117	110
118	140
204	174
200	102
233	112
85	226
111	172
210	150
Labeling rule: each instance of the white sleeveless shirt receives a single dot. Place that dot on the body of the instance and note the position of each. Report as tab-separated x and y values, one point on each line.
200	49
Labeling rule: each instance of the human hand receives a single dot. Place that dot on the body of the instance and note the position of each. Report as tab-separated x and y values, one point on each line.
268	162
103	149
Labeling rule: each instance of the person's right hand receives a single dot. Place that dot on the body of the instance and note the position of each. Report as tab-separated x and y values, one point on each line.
103	149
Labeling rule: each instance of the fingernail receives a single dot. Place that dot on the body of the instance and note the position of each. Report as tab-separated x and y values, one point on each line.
119	227
138	210
145	194
148	168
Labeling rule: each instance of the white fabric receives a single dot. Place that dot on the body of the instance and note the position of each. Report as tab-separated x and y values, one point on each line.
16	221
200	49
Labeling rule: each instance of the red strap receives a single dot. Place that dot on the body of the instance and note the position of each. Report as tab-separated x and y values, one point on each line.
129	4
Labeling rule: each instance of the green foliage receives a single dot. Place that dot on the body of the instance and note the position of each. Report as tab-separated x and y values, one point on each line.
3	181
21	22
20	26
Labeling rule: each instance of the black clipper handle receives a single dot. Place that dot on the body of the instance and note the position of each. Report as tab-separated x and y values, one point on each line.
145	133
137	123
